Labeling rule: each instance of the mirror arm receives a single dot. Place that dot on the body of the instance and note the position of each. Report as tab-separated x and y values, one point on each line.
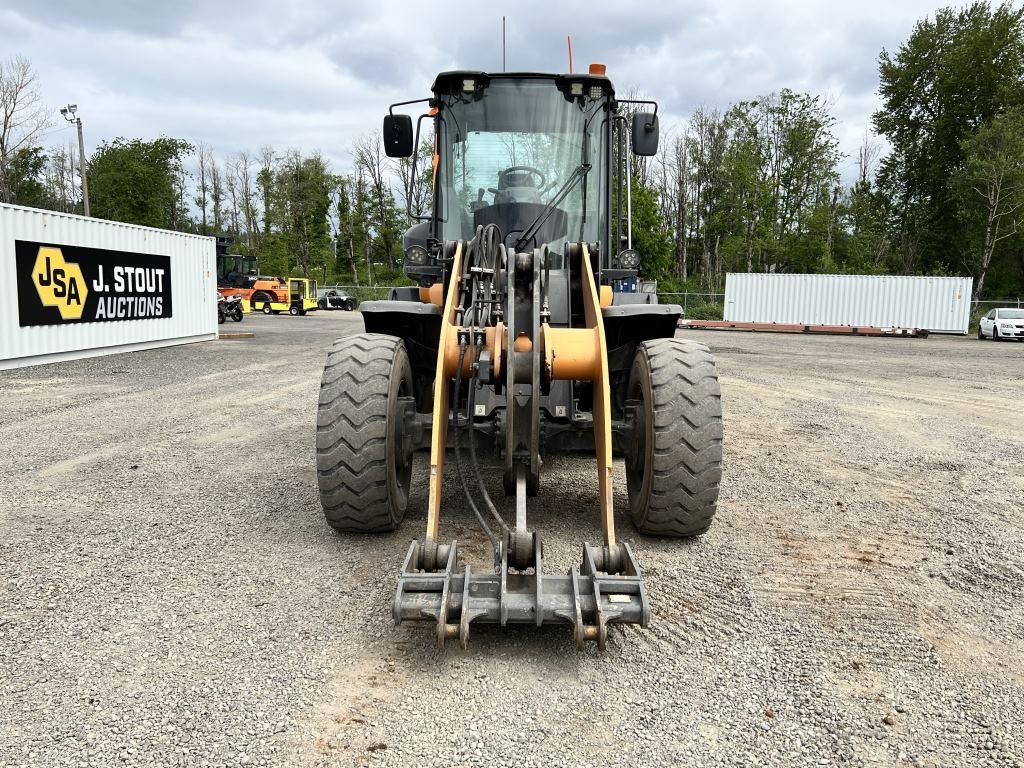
412	173
629	201
391	108
648	126
404	103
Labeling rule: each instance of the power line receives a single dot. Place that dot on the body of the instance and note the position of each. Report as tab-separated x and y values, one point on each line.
55	130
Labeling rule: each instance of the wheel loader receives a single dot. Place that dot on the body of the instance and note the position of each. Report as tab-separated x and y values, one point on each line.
512	345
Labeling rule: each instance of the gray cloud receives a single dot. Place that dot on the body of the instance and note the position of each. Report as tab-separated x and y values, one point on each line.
154	17
311	74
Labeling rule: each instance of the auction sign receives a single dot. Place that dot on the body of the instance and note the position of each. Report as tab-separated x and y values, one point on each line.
60	284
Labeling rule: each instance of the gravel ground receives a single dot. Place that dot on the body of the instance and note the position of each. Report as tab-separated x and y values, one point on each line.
170	595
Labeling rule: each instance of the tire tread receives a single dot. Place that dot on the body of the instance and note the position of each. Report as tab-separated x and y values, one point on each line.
351	434
686	467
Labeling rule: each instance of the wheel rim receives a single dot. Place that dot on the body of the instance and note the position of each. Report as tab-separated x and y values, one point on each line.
640	449
400	460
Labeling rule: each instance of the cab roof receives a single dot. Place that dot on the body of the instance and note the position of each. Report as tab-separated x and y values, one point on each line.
446	81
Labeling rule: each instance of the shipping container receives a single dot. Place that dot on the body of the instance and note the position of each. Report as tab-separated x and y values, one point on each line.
935	304
75	287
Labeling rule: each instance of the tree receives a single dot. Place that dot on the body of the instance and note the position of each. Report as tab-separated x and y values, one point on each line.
303	196
385	219
204	163
780	162
745	180
955	73
239	167
217	196
990	187
231	198
23	118
25	178
62	190
140	182
415	193
346	233
651	237
265	181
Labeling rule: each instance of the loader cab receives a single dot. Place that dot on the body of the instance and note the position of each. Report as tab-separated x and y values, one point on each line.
236	271
540	156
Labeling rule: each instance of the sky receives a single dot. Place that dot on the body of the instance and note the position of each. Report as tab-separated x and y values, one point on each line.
312	74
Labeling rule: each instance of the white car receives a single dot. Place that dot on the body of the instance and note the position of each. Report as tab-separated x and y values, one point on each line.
1002	324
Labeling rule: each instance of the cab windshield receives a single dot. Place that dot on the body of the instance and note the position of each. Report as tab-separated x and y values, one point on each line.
234	270
1011	314
527	156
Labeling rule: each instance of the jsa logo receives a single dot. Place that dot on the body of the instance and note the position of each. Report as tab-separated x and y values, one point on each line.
60	283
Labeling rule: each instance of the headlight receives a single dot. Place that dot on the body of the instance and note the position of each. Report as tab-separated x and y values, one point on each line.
415	255
629	259
1006	325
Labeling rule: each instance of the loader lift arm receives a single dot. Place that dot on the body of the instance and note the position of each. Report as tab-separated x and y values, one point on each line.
607	586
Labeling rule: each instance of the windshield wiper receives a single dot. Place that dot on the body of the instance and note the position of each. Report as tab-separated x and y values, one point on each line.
580	174
531	231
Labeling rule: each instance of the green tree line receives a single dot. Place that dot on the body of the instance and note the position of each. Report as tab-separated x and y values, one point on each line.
757	187
751	186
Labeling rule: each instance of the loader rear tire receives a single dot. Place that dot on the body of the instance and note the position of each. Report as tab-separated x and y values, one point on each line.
674	466
363	471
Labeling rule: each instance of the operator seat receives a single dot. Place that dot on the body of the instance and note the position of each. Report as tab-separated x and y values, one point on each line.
517	187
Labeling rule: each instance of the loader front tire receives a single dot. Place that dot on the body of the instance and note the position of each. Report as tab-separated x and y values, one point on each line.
674	466
363	470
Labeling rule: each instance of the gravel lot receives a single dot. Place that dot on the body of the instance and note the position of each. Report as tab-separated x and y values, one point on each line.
172	596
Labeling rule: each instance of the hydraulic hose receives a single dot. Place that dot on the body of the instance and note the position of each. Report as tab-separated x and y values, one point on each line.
471	400
476	313
495	542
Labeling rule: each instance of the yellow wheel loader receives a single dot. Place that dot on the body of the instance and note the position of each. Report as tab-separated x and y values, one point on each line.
513	342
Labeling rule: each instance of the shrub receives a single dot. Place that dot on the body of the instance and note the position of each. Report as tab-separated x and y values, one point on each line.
704	311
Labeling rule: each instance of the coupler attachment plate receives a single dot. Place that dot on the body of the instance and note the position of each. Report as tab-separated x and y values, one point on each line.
588	598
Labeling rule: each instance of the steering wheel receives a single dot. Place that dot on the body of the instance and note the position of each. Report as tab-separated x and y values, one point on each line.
541	178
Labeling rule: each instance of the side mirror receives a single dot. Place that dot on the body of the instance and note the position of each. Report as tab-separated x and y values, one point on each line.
645	134
398	135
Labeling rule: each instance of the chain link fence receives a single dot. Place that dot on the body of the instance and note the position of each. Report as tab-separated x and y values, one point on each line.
982	307
697	306
359	292
702	306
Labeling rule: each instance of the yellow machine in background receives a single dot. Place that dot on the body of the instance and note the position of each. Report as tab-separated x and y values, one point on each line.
300	299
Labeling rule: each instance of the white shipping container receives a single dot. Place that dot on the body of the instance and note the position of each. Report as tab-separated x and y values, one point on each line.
75	287
938	304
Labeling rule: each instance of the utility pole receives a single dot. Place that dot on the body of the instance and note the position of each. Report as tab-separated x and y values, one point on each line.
69	114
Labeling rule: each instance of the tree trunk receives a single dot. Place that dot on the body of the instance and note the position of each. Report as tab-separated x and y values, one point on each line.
986	254
831	223
718	262
750	246
352	260
366	253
